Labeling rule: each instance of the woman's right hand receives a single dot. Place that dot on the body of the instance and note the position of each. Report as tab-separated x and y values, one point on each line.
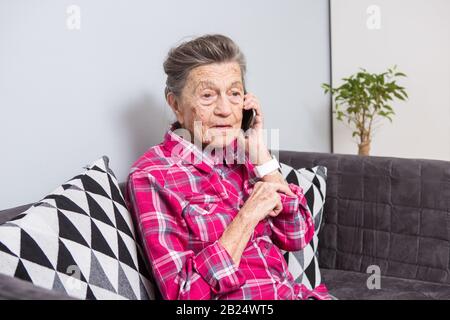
264	201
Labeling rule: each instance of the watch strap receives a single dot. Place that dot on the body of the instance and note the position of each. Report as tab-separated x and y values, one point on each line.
267	167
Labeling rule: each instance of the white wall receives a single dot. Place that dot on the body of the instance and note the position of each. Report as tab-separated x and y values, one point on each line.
415	35
68	97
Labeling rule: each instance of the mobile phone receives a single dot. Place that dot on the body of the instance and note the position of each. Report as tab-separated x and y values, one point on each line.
248	117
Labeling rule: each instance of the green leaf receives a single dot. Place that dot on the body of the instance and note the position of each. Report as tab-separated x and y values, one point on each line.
399	96
404	93
387	107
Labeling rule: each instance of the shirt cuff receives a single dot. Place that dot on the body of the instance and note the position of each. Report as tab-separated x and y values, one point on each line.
252	177
216	267
291	203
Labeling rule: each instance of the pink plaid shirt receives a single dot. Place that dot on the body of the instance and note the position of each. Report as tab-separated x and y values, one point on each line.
182	207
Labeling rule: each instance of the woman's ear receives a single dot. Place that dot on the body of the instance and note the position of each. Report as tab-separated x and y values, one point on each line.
172	101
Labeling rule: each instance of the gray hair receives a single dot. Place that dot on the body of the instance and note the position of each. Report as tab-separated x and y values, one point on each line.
207	49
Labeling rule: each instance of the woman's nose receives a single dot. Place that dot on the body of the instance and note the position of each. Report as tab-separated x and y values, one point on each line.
223	107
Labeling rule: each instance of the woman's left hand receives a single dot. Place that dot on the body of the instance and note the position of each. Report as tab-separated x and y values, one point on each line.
255	146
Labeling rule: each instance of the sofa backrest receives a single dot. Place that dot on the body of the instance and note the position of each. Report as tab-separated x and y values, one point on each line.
382	211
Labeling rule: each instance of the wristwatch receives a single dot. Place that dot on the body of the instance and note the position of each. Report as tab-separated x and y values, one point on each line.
267	167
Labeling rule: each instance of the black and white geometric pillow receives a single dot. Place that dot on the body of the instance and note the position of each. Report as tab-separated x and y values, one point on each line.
303	264
78	240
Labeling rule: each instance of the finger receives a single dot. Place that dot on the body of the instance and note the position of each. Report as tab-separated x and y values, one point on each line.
273	213
258	124
250	98
257	108
248	95
281	187
250	103
278	207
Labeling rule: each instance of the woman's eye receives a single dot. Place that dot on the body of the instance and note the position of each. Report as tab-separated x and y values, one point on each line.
206	95
236	94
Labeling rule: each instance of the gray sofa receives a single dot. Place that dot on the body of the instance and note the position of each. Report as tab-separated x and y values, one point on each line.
390	213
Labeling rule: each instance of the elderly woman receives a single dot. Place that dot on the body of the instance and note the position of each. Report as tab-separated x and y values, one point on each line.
213	229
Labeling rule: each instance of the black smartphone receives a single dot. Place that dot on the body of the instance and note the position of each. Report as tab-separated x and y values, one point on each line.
248	117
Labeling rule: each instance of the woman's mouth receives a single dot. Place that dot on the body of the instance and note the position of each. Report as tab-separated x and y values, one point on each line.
222	127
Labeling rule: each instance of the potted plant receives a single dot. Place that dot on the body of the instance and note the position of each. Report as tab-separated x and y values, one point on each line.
365	97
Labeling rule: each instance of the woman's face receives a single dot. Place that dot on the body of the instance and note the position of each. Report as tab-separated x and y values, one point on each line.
212	100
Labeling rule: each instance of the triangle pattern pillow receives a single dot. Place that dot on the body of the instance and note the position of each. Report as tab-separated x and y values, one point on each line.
78	240
304	264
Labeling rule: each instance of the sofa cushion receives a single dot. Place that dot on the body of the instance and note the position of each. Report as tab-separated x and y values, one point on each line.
350	285
8	214
79	240
303	264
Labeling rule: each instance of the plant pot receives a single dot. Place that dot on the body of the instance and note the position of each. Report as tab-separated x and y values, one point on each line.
364	148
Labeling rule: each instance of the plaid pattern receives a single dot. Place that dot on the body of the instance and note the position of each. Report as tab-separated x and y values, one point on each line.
182	207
